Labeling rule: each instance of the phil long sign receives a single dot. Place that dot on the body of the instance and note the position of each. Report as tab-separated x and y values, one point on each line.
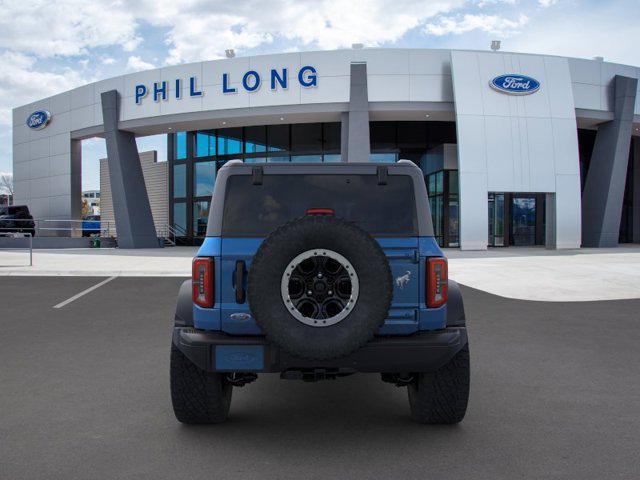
251	81
515	84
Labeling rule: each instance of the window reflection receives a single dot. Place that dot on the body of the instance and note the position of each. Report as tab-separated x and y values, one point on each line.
180	180
307	158
180	145
383	157
204	176
205	143
255	140
200	217
180	217
229	141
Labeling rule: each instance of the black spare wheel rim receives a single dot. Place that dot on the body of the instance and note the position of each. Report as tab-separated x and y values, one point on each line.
319	287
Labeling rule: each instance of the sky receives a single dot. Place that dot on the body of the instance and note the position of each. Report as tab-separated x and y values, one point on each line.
47	47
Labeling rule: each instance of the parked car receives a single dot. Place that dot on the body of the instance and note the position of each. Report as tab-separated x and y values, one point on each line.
91	225
318	271
16	219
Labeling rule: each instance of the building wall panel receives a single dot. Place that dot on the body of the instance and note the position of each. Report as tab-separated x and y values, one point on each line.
156	179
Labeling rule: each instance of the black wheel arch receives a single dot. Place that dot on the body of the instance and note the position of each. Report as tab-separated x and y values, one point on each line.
455	306
184	307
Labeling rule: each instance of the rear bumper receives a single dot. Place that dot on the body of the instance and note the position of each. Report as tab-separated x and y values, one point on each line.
420	352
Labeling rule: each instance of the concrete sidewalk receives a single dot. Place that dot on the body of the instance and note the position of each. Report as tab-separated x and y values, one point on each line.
550	275
520	273
157	262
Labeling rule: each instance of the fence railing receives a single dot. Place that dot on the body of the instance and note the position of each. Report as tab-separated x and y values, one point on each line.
170	232
51	227
77	228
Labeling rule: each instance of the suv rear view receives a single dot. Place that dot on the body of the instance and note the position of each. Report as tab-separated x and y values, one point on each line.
319	271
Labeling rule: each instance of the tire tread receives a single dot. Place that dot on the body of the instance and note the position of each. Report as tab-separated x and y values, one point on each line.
441	397
198	397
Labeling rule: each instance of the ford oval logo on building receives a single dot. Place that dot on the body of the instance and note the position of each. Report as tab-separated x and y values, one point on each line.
38	119
515	84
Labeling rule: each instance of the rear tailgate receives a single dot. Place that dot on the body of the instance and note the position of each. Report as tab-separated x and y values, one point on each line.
235	262
404	260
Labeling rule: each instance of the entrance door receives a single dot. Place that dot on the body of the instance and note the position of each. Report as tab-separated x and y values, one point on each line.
496	220
523	220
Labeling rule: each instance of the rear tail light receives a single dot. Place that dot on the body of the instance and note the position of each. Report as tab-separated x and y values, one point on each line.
320	211
437	282
202	281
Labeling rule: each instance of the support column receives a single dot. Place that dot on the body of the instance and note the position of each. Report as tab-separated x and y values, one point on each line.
550	221
344	136
635	178
134	222
357	142
604	188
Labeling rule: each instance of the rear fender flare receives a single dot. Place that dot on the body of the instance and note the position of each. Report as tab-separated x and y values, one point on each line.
455	306
184	307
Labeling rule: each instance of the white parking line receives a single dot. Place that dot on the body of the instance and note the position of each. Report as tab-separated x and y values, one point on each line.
84	292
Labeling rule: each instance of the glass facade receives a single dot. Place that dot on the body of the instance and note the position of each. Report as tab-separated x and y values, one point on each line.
442	187
196	156
204	177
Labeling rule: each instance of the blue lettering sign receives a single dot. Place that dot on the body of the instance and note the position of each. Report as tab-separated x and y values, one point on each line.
141	92
192	88
311	80
251	81
251	86
275	77
515	84
159	90
225	84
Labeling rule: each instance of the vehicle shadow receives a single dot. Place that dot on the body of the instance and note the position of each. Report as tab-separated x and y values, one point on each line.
308	415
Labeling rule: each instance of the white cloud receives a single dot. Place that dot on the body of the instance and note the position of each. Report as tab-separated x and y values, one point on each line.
493	24
484	3
21	83
547	3
583	34
66	27
327	24
135	64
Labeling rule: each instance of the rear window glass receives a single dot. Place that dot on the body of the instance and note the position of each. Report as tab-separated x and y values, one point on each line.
256	210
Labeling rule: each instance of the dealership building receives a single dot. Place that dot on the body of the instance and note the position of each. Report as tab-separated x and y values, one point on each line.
516	149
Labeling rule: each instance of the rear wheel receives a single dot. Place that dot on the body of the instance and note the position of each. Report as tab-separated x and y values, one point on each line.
198	397
441	397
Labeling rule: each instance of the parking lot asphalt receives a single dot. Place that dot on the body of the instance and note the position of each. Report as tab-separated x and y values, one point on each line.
84	393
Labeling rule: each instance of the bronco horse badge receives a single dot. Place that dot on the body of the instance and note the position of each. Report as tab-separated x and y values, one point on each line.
402	280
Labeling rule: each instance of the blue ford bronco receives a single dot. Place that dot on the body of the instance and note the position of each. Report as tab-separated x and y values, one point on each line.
318	271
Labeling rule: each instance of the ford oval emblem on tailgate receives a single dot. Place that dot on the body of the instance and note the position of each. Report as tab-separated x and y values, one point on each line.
240	316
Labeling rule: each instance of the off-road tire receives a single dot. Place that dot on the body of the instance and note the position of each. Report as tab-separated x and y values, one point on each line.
198	397
320	232
441	397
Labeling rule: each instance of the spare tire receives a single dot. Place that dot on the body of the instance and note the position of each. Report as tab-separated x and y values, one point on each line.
319	287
